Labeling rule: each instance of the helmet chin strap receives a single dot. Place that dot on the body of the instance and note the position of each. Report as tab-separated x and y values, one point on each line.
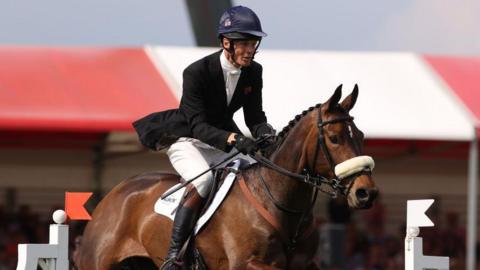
231	50
256	48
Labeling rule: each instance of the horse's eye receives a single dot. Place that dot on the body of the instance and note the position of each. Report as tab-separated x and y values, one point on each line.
333	139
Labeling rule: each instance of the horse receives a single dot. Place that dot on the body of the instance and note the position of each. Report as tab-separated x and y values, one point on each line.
266	221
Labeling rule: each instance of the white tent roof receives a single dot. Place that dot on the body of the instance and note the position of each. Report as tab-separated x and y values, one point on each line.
400	96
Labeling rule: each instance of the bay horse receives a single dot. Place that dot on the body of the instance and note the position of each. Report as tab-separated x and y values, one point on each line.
275	233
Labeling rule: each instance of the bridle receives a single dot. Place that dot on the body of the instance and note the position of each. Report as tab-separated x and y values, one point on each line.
309	176
335	182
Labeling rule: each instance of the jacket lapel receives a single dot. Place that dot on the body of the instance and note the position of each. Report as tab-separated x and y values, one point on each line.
238	94
217	78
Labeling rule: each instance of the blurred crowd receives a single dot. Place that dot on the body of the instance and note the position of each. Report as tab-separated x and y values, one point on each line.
21	226
356	241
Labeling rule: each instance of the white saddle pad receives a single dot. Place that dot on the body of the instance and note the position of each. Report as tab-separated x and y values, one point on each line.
167	206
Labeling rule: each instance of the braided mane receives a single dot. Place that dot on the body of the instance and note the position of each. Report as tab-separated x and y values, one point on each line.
283	134
294	121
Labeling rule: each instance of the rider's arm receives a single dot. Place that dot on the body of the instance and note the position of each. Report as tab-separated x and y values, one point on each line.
253	110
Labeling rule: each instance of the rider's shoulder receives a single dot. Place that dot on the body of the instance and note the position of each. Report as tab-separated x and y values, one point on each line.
204	63
256	66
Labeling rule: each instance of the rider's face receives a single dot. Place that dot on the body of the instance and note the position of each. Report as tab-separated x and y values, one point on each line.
244	51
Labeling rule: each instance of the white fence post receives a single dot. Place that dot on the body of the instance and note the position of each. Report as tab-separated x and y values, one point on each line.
51	256
414	258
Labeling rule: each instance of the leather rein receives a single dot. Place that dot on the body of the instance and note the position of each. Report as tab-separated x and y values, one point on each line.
309	178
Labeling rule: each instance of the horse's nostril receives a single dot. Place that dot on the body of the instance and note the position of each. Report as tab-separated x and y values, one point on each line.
362	194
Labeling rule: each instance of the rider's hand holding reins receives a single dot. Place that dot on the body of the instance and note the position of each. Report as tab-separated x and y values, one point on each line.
266	135
245	145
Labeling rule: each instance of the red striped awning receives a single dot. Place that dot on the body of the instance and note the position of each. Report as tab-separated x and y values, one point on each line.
78	89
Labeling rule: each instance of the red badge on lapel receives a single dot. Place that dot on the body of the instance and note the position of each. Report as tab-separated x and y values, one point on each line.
247	90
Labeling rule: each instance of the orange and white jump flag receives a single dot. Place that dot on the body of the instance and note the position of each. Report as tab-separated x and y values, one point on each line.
74	205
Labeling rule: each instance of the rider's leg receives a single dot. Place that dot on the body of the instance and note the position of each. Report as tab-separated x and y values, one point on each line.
190	157
189	160
185	219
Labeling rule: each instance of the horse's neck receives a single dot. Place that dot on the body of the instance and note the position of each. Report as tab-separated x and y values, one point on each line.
290	156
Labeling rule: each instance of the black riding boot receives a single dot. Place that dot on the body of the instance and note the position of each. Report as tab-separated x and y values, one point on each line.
185	219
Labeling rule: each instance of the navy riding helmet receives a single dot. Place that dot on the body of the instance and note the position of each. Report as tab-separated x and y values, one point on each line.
240	22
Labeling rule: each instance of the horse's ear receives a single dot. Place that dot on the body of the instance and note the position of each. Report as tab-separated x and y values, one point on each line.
350	100
334	99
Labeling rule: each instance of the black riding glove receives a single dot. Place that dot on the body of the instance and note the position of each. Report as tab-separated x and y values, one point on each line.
264	130
266	133
245	145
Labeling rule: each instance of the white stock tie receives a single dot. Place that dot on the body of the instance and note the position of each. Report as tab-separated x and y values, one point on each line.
231	83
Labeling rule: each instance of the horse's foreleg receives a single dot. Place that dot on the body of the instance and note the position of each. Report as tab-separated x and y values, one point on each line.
255	265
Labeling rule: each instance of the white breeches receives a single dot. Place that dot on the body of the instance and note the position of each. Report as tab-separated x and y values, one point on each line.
190	157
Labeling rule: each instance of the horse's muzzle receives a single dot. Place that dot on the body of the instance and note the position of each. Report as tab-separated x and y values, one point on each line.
365	197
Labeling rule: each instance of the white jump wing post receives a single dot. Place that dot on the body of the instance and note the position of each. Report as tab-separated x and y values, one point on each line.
414	258
51	256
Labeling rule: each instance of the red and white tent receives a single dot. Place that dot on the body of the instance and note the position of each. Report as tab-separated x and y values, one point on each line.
402	95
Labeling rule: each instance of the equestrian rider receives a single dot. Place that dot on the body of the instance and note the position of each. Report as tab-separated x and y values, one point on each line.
214	88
